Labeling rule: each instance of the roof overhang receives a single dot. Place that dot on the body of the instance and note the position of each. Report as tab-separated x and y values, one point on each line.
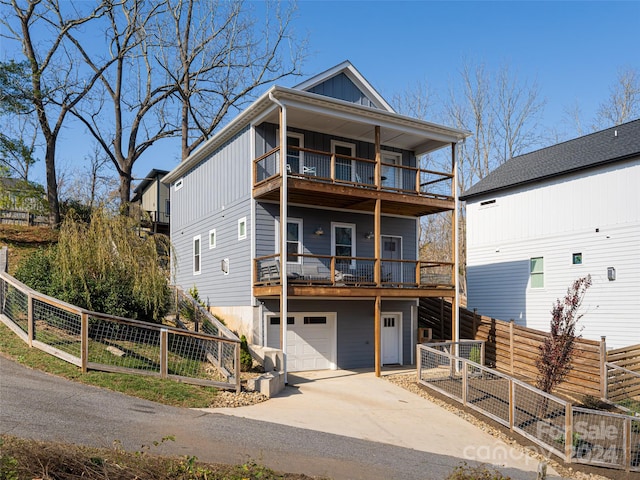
331	116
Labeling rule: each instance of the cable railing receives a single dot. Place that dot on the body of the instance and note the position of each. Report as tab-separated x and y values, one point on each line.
339	271
326	167
97	341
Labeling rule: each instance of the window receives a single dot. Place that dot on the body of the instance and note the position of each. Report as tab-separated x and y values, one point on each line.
242	228
178	185
294	241
167	207
295	157
196	255
344	166
343	243
276	321
537	272
391	176
577	259
315	320
212	238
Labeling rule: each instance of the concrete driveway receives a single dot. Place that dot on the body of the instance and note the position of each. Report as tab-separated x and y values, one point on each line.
357	404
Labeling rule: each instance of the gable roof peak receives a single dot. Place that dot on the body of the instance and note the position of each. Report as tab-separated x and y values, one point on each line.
355	76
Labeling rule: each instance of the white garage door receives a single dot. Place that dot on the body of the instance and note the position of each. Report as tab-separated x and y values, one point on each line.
311	340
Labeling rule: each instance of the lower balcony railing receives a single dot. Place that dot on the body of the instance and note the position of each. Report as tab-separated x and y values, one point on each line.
325	270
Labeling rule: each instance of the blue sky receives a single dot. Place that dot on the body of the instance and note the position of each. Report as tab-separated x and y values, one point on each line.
572	49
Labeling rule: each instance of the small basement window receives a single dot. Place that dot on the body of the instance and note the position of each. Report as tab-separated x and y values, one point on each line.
577	259
315	320
276	320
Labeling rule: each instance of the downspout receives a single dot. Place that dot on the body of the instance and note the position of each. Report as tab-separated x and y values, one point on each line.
456	249
284	310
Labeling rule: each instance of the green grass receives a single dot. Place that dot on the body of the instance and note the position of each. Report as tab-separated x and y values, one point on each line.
164	391
27	459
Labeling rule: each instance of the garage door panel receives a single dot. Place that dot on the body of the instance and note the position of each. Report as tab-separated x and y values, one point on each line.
310	346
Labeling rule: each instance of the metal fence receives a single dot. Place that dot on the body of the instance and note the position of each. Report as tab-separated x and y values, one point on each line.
596	437
98	341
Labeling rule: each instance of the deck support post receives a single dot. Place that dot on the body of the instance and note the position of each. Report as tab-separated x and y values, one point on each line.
455	313
377	333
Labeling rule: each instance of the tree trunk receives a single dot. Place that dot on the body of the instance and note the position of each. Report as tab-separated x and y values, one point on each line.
52	183
125	189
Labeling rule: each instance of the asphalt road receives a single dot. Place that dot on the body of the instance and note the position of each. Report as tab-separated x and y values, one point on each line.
44	407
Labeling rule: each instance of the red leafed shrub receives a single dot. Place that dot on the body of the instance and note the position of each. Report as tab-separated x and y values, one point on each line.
554	360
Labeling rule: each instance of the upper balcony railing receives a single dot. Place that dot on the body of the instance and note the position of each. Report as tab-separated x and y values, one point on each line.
328	167
326	270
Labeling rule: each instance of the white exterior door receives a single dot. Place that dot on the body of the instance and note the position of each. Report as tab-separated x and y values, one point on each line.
311	340
391	338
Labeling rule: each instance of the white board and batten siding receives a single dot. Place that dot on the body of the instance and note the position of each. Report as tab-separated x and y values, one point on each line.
215	195
595	213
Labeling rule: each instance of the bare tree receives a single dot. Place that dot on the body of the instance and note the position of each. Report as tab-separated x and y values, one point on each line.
502	113
95	184
220	55
56	85
417	101
126	111
178	67
623	104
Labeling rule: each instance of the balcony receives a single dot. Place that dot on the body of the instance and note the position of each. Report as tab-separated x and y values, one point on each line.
320	275
338	181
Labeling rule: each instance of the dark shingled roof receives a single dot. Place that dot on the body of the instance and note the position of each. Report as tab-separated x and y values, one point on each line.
590	151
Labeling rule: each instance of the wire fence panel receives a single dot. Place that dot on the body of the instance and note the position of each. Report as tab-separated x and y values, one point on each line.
472	350
539	417
194	358
57	327
15	305
634	459
438	371
127	346
489	392
598	438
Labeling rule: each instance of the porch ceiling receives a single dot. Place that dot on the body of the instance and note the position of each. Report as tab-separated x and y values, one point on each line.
357	129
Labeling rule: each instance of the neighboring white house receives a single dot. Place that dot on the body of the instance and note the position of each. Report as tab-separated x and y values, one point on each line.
544	219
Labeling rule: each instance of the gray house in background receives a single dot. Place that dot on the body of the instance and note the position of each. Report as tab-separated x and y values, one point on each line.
154	205
323	233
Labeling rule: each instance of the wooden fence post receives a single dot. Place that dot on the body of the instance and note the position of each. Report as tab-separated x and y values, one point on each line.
84	341
31	330
627	444
465	382
4	259
237	369
511	348
512	403
568	433
164	352
604	373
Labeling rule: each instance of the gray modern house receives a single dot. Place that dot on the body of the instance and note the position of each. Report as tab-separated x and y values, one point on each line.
324	232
